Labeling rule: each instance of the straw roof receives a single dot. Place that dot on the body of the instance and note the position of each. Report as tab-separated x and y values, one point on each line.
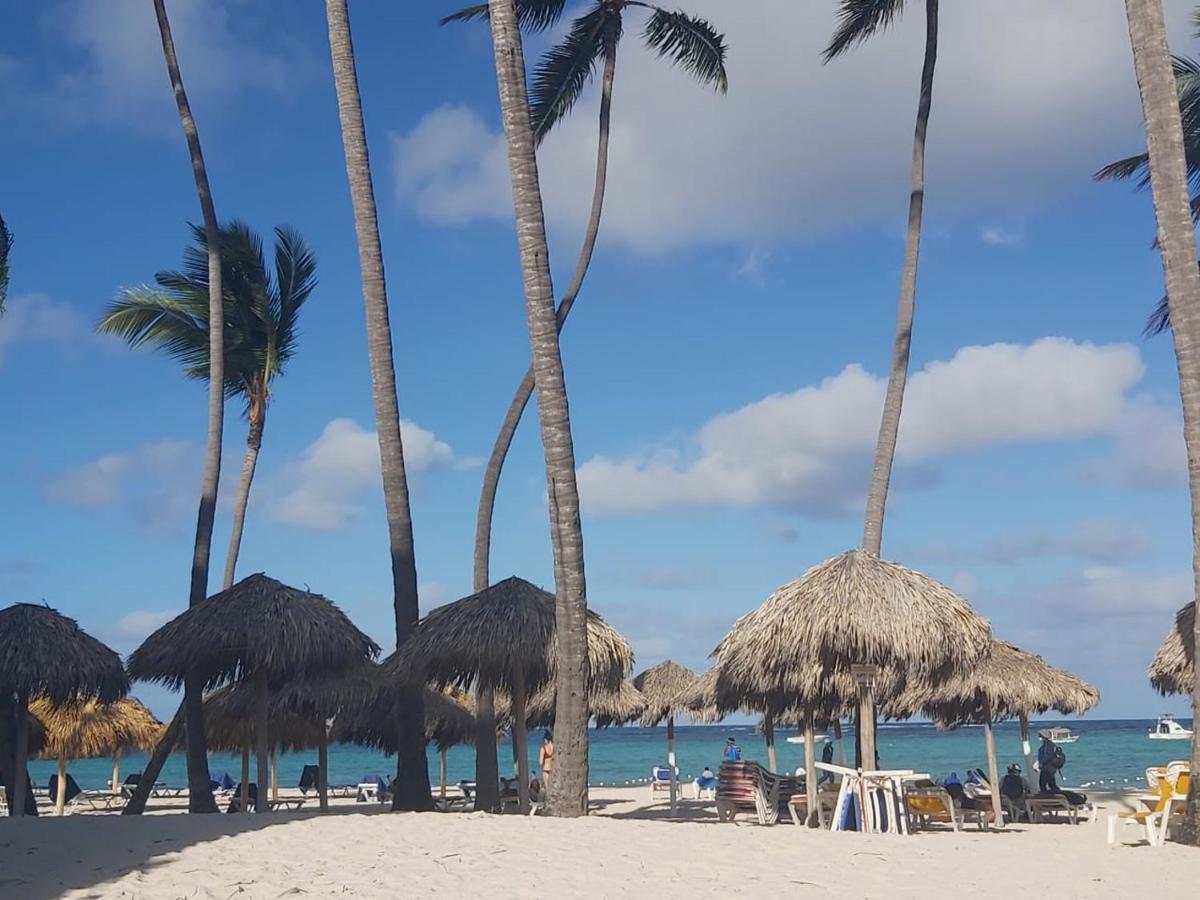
44	653
699	699
229	722
504	628
605	705
1174	666
87	729
710	698
373	720
257	625
1010	682
661	685
852	609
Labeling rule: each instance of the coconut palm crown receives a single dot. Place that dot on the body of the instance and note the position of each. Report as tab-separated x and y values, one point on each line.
560	77
5	246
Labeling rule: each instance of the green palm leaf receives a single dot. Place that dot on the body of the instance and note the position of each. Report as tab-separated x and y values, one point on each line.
532	15
858	20
691	43
563	72
6	242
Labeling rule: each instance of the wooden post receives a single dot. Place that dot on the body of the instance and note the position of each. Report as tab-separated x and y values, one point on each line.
60	799
323	766
768	724
671	760
520	738
443	773
244	787
810	768
1026	749
260	740
993	774
841	742
16	803
116	776
865	676
274	772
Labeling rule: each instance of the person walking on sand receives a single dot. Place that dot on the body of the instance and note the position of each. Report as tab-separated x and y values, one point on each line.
546	758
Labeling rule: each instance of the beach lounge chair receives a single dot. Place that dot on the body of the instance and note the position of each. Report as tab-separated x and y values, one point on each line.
743	785
3	801
660	780
1153	820
371	787
827	795
287	803
73	791
235	801
309	776
927	805
1042	805
704	787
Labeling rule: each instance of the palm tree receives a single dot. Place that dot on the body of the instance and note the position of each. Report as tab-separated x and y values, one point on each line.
6	242
412	772
200	798
1168	168
568	788
260	319
558	81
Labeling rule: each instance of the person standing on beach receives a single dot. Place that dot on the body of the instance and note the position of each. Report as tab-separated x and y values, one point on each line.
732	751
546	758
1047	766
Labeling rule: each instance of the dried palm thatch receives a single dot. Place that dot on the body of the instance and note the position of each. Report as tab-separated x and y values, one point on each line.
229	719
662	685
710	698
605	706
259	626
699	699
87	729
487	637
1174	666
852	609
44	653
373	721
1009	682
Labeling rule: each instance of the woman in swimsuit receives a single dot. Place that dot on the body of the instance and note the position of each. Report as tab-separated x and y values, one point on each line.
546	758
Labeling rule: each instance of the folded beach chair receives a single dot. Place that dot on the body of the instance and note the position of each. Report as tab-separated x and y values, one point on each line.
235	802
743	785
309	777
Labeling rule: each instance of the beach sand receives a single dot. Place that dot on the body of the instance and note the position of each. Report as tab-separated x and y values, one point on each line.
627	848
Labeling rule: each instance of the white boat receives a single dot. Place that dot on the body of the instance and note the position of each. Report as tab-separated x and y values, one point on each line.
799	739
1168	729
1059	735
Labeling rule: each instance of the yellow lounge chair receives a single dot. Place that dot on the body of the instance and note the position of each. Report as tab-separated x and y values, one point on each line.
1154	820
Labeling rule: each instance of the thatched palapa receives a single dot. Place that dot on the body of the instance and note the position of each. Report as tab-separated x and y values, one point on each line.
605	706
662	685
44	653
1174	666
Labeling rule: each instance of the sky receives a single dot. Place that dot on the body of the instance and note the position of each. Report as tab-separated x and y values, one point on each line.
725	362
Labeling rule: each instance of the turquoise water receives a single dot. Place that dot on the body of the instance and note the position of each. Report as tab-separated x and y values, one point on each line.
1108	753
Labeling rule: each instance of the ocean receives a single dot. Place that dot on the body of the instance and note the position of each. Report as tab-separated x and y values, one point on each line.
1109	754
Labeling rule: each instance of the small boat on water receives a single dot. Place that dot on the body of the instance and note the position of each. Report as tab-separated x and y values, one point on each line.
1059	735
1168	729
799	739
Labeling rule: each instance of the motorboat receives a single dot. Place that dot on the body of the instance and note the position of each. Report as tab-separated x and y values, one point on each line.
1059	735
1168	729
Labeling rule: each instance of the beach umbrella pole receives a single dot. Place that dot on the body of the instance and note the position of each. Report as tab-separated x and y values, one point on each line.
443	774
323	766
769	733
16	806
841	742
671	760
1026	749
244	787
116	776
520	738
993	774
865	678
260	739
810	768
275	772
60	793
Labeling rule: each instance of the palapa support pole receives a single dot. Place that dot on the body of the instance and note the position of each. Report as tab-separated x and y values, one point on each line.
116	775
993	773
275	772
768	725
16	806
323	766
841	742
810	768
865	677
1025	748
60	793
671	761
520	738
260	740
443	774
244	787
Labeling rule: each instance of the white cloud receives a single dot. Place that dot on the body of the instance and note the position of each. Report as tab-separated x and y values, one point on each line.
998	236
809	450
672	578
1096	540
432	593
134	627
754	267
35	318
1030	98
324	488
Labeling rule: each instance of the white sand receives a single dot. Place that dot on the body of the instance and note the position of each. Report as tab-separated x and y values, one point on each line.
623	850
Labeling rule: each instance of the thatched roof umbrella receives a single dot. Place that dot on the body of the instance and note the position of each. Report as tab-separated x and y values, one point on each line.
503	638
44	653
662	685
260	630
1174	666
825	638
1009	682
87	729
606	706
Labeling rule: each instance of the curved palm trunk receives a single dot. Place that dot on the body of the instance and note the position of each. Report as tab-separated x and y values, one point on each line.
488	796
169	740
889	426
200	797
412	770
258	421
1177	242
568	787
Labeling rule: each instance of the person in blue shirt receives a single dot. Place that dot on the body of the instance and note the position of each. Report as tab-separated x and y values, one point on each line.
732	751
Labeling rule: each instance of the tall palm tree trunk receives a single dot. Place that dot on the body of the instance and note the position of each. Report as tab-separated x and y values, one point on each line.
200	797
487	788
169	740
254	434
1177	242
412	770
889	425
568	787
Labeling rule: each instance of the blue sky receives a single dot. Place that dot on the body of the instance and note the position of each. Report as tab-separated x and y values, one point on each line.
725	361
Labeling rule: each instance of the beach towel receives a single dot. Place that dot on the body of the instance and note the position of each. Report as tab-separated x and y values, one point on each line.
308	779
220	781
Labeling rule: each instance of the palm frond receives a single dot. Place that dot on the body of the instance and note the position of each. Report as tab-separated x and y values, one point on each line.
691	43
168	322
6	242
1159	320
532	15
295	280
858	20
563	72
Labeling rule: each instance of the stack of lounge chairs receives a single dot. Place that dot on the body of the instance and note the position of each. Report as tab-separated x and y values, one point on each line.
744	786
